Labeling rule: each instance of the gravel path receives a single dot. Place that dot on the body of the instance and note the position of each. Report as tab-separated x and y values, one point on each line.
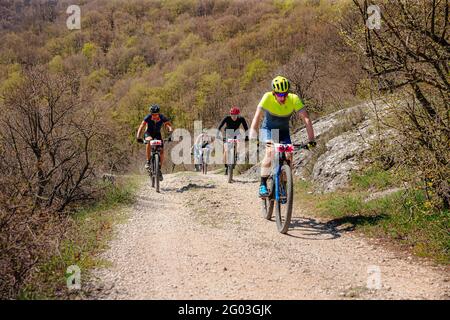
202	238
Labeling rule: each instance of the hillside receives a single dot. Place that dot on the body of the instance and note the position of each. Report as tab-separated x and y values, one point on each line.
71	102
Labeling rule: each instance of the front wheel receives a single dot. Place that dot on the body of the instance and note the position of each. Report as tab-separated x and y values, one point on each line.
156	172
285	202
230	173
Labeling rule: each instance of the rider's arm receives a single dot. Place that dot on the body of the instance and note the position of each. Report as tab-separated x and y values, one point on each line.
222	124
308	124
245	125
255	123
199	139
168	125
141	128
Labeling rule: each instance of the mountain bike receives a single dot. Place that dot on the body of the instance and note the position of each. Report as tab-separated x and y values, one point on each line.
281	188
155	156
232	157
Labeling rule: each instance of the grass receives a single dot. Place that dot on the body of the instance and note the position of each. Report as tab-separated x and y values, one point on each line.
373	178
405	217
90	230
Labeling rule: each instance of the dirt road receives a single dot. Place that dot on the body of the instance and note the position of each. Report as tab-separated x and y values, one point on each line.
202	238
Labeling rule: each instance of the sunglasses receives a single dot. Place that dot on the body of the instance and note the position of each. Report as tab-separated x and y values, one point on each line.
281	95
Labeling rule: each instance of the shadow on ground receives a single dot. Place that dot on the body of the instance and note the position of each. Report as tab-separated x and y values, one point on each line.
311	229
349	223
189	187
244	181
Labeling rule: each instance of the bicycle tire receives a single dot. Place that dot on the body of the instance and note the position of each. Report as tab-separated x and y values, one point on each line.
150	173
268	202
156	170
284	220
230	173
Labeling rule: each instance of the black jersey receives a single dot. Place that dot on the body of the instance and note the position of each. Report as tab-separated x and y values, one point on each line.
230	124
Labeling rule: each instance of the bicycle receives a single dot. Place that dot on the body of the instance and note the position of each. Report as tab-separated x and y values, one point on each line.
232	154
154	169
281	188
204	153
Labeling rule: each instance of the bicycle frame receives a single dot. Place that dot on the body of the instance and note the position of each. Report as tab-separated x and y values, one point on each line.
156	146
279	159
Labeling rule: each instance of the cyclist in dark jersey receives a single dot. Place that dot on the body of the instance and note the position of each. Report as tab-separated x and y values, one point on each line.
154	123
232	124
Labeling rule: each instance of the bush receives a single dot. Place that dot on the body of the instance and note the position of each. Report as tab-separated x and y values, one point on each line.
406	216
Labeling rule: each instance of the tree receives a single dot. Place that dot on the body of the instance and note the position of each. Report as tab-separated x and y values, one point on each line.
409	56
47	139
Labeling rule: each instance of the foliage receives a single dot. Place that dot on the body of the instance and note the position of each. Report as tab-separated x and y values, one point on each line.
409	57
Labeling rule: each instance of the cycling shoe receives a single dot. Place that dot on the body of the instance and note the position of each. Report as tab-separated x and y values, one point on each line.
263	192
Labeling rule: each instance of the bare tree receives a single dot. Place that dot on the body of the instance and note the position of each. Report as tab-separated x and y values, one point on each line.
410	56
48	138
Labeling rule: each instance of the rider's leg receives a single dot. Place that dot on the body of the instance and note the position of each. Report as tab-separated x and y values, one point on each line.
225	156
266	163
161	161
148	148
225	153
148	151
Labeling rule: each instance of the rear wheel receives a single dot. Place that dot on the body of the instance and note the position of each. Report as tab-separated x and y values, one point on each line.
156	172
284	204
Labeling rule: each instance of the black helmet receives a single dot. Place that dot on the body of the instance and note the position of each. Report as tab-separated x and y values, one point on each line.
154	108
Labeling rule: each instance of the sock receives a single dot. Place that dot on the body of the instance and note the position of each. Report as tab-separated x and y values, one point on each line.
264	181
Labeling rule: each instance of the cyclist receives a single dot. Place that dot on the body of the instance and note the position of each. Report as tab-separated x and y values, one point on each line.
232	123
154	123
202	141
277	107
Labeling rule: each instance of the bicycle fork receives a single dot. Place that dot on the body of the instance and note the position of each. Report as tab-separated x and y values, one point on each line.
277	177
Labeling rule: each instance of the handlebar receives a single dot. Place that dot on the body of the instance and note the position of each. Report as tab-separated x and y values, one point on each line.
301	146
148	141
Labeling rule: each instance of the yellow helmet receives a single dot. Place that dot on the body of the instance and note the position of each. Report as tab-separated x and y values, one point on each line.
280	84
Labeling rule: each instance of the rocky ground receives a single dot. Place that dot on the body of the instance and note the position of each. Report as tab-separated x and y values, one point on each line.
202	238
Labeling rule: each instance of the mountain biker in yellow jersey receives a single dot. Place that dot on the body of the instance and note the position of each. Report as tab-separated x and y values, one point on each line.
154	123
277	107
232	124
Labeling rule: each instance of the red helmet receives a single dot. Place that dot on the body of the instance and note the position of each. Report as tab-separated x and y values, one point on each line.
235	111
